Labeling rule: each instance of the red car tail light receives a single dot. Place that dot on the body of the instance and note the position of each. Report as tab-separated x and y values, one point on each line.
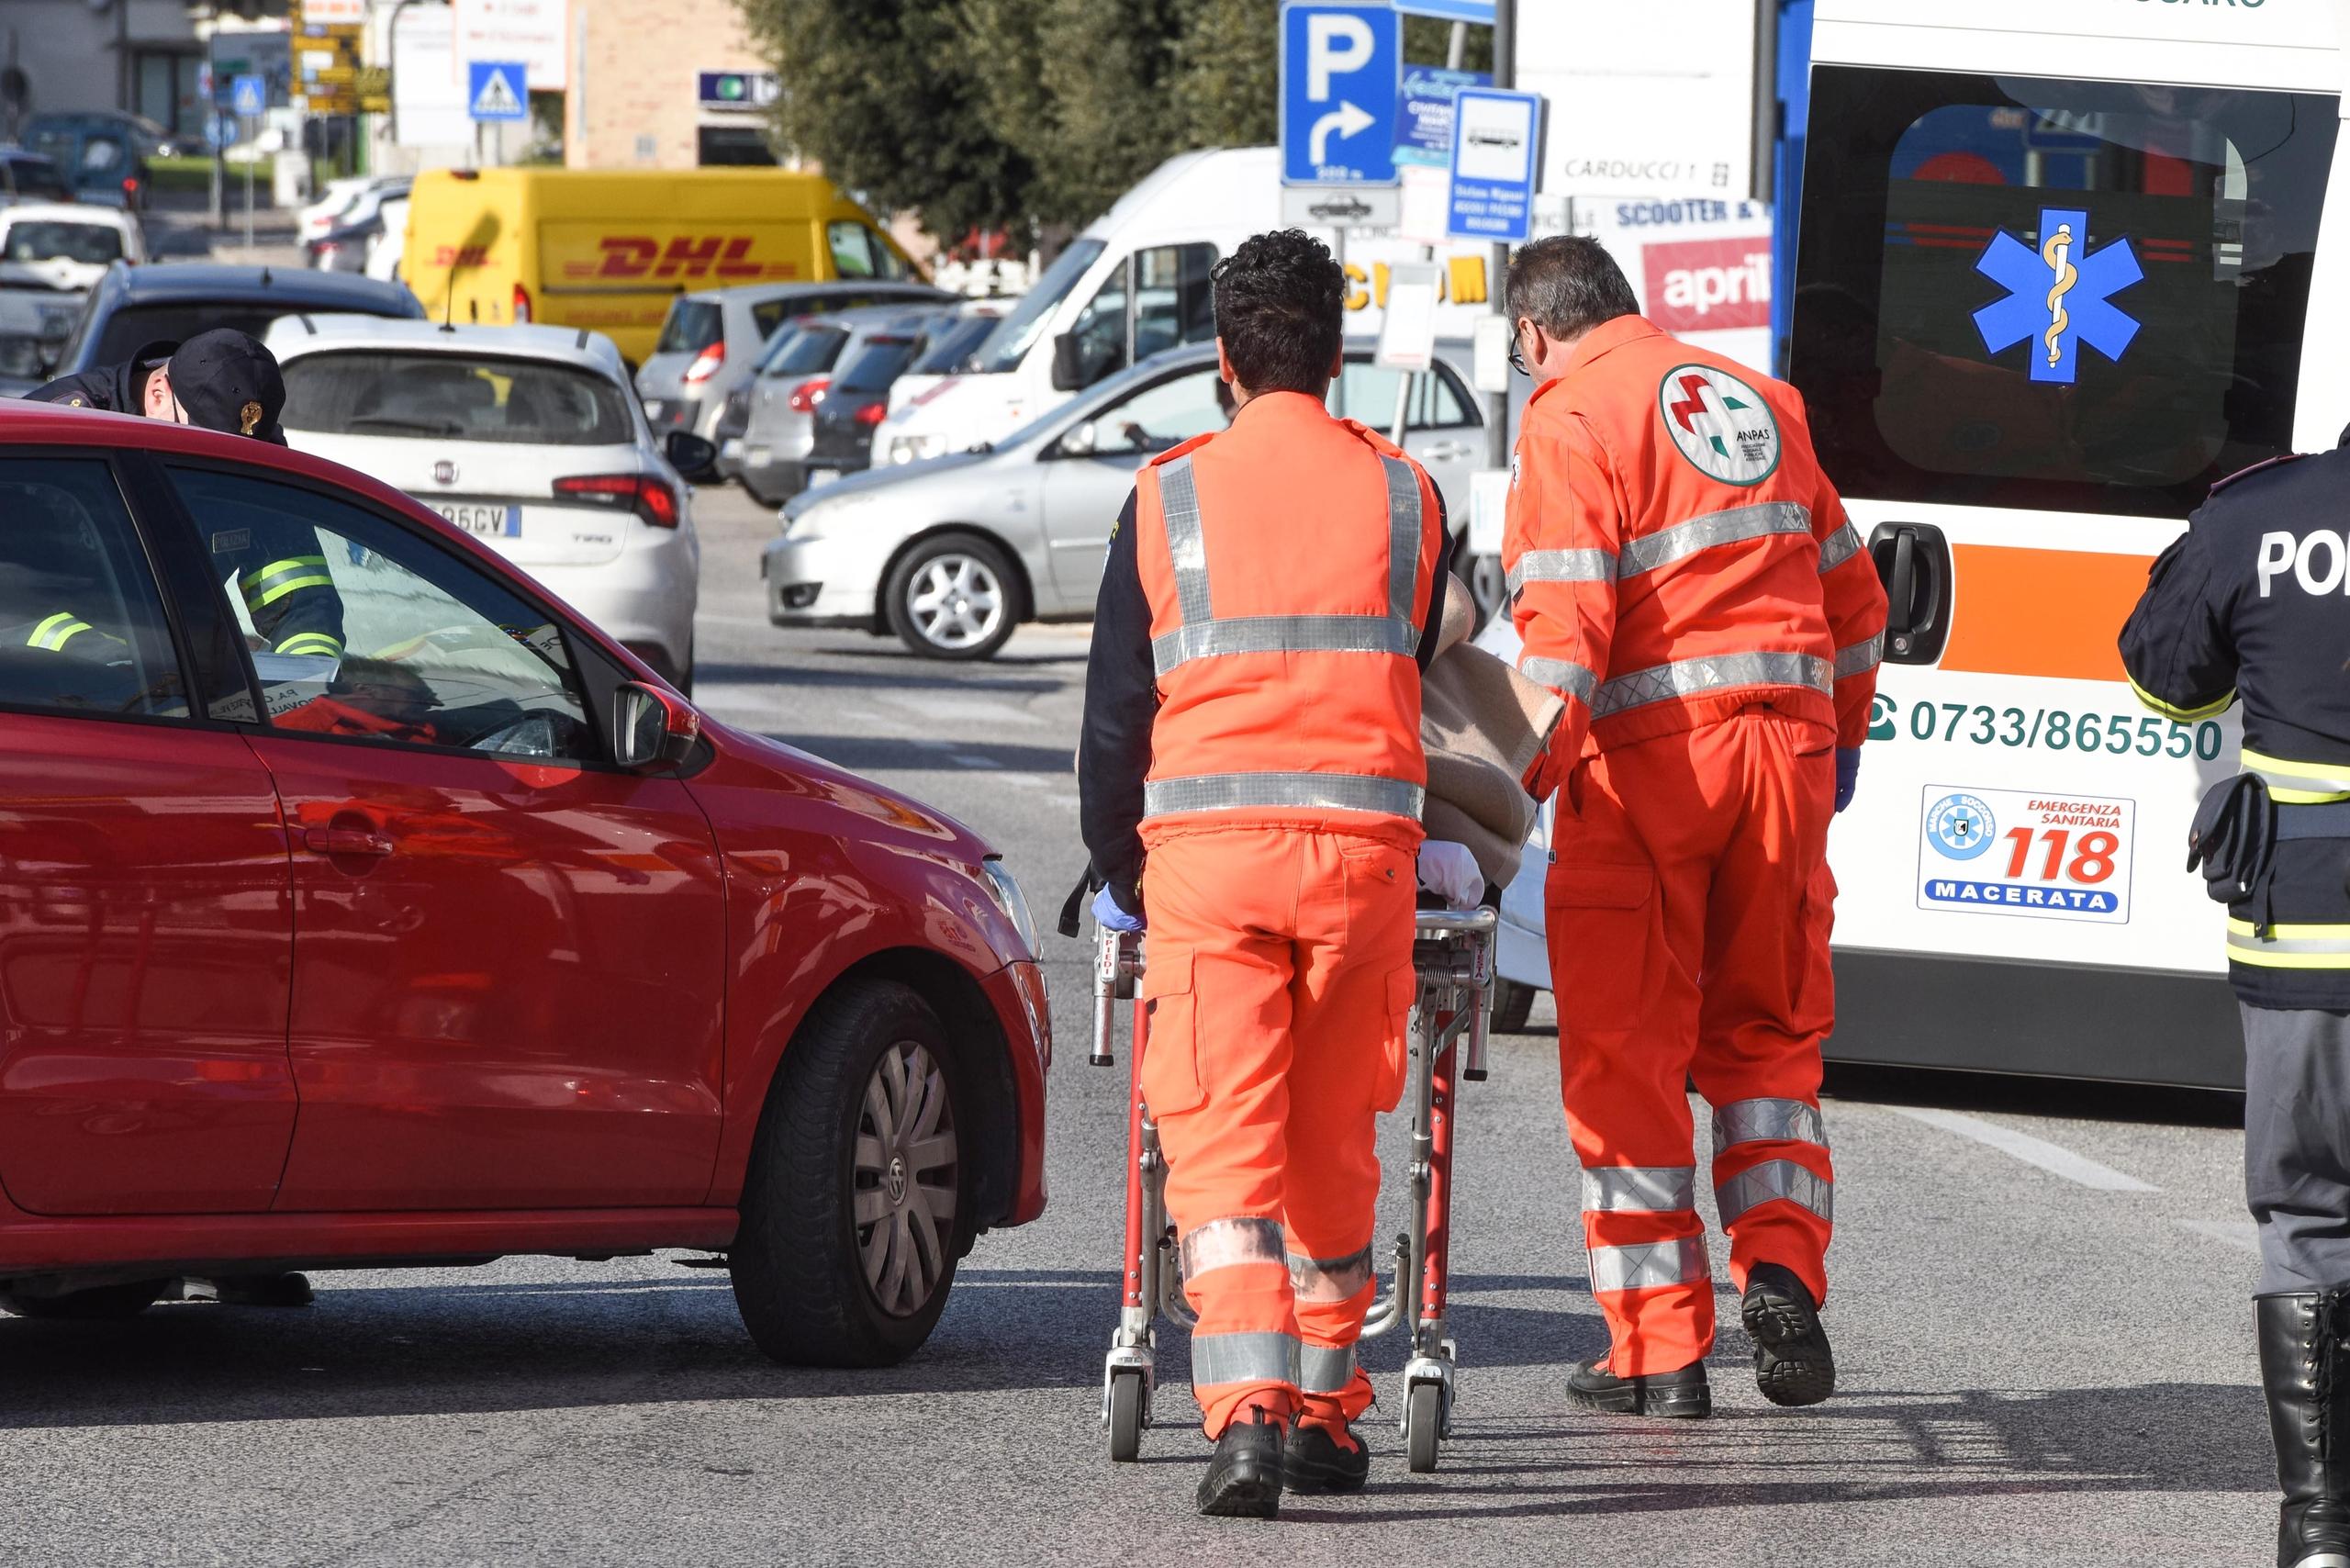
706	362
872	414
807	393
649	498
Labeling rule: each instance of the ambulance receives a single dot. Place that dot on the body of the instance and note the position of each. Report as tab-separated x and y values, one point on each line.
2062	265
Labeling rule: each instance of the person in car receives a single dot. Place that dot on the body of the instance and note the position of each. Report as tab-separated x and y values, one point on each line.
225	380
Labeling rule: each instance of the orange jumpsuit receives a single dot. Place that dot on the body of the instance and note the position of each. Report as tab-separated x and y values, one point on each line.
1684	575
1287	564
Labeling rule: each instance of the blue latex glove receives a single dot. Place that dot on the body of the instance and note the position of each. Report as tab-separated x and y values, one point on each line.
1848	774
1107	910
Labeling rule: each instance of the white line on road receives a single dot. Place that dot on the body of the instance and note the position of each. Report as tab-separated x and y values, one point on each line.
2032	1151
960	708
968	760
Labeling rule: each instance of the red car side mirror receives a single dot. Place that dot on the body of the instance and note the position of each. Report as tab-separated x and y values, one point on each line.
653	731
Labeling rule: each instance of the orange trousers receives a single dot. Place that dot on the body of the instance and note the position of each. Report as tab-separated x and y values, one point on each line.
1689	908
1278	982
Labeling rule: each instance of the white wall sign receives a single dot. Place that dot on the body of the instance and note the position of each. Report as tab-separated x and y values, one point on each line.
532	31
1637	108
428	84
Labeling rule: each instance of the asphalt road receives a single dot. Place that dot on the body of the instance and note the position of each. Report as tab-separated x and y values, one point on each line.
2039	1305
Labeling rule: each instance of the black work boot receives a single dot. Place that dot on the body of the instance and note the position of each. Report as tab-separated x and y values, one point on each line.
1322	1461
1792	1362
1684	1394
1243	1479
2303	1369
262	1290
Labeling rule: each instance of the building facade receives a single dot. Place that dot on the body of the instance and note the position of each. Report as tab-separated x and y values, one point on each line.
636	99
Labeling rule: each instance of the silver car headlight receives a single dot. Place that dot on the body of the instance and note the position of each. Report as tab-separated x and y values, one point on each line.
1011	900
914	448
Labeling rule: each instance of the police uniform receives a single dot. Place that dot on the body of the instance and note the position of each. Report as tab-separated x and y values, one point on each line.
2249	605
226	381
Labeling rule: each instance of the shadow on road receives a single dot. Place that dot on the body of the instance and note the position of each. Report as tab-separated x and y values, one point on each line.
2074	1098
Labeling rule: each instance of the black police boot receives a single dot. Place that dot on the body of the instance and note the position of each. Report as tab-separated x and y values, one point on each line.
1322	1461
2302	1367
262	1290
1792	1362
1243	1479
1684	1394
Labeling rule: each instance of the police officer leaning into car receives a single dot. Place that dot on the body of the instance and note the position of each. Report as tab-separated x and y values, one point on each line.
225	380
2249	604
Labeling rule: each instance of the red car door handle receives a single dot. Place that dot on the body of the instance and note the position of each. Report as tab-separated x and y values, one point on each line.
345	841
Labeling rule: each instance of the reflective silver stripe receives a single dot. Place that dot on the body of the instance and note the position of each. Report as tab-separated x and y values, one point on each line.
1645	1266
1685	539
1655	1189
2297	780
1403	538
2247	948
1860	657
1770	1181
1839	547
1328	791
1329	1279
1187	543
1324	1369
1714	673
1220	1243
1560	566
1284	635
1559	676
1767	1121
1244	1358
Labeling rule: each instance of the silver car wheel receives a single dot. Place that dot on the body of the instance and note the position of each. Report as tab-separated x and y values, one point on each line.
956	601
905	1179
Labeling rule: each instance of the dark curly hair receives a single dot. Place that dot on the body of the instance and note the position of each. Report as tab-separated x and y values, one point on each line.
1281	301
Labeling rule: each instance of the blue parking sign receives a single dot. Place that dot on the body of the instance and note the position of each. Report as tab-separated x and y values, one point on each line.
1342	69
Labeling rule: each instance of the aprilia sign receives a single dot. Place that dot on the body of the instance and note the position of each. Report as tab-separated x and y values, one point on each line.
1707	285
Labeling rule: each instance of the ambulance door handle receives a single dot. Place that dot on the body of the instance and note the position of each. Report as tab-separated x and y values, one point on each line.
1912	560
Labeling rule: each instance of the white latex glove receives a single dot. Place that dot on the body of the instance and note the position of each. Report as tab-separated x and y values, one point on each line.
1449	871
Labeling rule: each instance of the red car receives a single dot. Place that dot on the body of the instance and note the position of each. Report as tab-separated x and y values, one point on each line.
360	906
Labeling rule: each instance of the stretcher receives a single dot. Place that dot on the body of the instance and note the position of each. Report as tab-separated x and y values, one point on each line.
1453	952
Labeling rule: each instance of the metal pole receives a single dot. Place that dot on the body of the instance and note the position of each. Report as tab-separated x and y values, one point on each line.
1504	76
251	152
1762	180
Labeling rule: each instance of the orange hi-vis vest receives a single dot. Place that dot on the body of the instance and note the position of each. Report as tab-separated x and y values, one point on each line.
1674	552
1287	563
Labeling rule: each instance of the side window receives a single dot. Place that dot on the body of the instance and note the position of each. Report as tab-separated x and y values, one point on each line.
360	629
1100	328
1173	303
1162	415
858	252
81	626
1432	401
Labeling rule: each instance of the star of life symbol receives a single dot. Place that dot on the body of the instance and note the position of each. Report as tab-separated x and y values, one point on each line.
2059	295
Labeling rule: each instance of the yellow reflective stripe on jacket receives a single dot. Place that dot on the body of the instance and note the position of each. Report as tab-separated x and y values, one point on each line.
318	643
2291	947
55	633
2183	715
2299	783
277	580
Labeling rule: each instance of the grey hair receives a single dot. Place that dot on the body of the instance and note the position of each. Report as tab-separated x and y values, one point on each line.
1567	284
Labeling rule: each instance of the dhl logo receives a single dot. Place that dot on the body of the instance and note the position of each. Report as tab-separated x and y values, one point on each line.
461	256
630	256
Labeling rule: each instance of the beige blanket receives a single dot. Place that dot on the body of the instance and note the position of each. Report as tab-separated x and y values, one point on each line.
1484	725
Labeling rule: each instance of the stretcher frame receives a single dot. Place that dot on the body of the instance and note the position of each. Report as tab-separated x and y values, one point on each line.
1452	953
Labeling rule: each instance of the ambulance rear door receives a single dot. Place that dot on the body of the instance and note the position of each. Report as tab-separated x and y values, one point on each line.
2055	277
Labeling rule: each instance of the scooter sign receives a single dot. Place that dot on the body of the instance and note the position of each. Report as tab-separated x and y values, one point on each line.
2046	855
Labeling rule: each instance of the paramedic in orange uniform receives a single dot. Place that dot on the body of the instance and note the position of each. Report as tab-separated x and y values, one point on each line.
1683	575
1251	779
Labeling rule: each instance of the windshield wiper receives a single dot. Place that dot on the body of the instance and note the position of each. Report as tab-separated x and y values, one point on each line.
422	427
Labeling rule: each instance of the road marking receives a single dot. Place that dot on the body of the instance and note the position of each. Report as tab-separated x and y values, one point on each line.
1063	798
2240	1232
1025	780
968	760
2049	1157
960	709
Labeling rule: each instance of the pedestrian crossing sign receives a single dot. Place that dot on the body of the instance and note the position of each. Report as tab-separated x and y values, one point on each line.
497	89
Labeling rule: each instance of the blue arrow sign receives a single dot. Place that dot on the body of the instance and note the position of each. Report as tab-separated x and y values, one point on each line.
496	89
248	96
1342	70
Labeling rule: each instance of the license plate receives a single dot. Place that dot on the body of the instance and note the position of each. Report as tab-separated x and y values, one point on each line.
489	521
758	455
821	476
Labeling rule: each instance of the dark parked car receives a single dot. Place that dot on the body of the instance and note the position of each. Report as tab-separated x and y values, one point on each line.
858	398
139	305
103	156
28	176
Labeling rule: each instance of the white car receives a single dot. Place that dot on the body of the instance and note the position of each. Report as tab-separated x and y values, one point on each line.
51	254
335	200
530	437
384	250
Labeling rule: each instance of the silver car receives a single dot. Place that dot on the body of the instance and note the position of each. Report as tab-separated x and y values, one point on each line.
710	341
953	552
777	401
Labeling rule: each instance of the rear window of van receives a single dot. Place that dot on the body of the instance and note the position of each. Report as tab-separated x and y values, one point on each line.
692	325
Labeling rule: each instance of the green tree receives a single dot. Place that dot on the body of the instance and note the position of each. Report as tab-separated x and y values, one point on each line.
1228	83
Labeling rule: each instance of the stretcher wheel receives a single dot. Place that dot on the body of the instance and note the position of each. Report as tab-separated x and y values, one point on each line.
1423	1424
1126	1416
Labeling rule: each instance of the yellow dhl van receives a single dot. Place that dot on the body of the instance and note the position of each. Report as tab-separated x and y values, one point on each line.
607	251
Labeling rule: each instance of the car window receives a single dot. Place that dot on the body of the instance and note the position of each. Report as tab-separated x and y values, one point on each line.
951	345
1100	328
126	330
877	362
2056	294
852	248
34	178
1433	401
809	352
455	397
692	325
81	626
31	240
1173	303
1165	414
1003	348
406	644
769	314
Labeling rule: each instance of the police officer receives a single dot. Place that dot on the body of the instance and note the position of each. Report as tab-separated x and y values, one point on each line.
2249	603
1251	781
225	380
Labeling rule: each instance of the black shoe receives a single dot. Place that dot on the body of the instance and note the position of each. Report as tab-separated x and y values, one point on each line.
1792	1362
1684	1394
2305	1367
262	1290
1243	1479
1319	1462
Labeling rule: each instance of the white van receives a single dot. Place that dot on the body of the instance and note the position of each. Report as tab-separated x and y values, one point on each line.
1136	282
2063	265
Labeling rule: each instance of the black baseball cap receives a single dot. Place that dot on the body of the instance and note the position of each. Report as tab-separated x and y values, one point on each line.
226	381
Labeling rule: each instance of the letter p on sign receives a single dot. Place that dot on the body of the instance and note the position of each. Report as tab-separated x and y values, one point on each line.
1336	45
